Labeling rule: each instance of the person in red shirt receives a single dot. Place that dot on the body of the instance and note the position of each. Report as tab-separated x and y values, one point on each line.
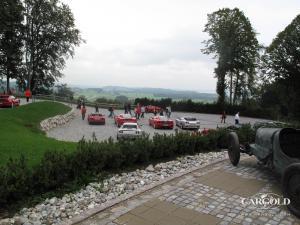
27	94
83	111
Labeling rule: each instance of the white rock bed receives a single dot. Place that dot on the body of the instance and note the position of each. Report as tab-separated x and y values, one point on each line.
57	210
56	121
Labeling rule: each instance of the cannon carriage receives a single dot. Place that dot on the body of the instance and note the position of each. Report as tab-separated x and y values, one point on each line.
278	149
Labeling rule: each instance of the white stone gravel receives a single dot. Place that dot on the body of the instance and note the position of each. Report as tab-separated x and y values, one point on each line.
57	210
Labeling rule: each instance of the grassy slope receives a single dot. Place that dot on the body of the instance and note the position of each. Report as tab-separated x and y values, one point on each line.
20	132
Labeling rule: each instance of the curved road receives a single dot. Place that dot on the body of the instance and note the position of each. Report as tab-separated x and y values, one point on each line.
78	128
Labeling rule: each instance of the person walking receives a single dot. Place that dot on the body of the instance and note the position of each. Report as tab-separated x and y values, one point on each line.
143	111
111	111
237	118
96	108
223	117
83	111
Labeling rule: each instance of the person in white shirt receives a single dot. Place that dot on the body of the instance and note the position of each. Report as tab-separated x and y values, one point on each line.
237	118
142	111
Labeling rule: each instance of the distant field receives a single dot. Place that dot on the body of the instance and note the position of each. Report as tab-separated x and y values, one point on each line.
92	95
20	133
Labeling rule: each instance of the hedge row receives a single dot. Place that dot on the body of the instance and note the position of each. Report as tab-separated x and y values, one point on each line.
251	110
57	168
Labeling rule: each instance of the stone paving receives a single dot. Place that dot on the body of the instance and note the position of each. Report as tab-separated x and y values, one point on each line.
208	196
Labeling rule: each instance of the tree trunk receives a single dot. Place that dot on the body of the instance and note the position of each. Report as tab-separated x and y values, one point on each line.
236	87
7	84
230	95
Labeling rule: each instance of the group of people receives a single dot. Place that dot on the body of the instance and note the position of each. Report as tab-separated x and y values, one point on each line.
163	112
236	118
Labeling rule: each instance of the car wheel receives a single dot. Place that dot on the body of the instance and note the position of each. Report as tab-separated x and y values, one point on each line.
291	187
233	148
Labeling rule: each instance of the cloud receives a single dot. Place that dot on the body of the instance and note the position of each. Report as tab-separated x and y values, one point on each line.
157	43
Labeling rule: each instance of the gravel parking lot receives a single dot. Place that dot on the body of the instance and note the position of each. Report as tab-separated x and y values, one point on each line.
78	128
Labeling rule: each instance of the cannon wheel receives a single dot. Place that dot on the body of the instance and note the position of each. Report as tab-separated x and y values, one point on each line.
233	148
291	187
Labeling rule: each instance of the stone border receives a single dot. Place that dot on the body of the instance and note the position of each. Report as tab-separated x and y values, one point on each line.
57	120
89	213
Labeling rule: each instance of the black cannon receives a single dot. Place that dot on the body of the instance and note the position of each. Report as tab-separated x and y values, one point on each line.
279	149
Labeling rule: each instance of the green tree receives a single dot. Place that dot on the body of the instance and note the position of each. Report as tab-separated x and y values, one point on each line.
233	42
50	37
64	91
281	66
11	28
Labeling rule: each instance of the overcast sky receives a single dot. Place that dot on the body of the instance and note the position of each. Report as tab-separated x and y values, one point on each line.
157	43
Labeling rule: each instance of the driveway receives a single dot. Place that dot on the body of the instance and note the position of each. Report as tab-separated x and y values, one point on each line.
78	128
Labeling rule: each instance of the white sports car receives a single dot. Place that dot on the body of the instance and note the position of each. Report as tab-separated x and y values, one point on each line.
129	131
188	123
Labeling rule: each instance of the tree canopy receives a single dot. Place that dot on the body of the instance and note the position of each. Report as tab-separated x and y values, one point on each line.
281	66
36	38
233	42
11	39
50	38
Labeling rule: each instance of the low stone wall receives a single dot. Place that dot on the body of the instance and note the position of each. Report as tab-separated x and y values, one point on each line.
56	121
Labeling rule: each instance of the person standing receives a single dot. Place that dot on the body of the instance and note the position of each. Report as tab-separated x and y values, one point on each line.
223	117
143	111
96	108
138	110
27	94
129	108
168	109
125	109
83	111
237	118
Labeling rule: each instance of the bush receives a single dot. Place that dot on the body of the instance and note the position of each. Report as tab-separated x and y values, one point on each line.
57	168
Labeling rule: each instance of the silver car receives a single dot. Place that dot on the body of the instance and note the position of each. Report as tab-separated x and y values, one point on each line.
129	131
188	123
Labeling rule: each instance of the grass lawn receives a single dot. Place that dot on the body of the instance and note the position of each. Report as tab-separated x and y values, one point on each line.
20	133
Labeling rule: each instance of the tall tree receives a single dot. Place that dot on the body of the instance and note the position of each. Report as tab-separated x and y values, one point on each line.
11	27
50	38
281	65
233	41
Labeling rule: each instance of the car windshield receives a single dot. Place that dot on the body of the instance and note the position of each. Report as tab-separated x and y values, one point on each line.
190	119
95	114
130	126
3	96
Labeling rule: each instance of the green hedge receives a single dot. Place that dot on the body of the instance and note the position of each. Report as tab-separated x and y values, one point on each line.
57	168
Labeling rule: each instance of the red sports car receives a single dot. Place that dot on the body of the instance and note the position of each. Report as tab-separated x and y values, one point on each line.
9	101
124	118
96	118
152	109
161	122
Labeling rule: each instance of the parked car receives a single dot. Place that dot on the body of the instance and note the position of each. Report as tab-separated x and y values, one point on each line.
187	123
124	118
9	101
96	118
161	122
152	109
129	131
278	149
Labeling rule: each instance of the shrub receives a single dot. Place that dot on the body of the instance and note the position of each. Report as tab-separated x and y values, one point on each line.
58	168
